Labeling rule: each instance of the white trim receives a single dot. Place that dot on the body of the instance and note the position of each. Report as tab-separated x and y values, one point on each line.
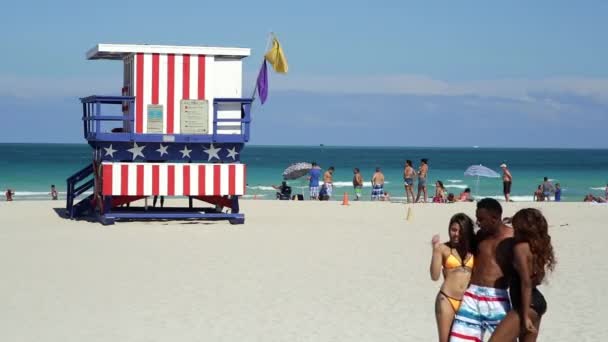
119	51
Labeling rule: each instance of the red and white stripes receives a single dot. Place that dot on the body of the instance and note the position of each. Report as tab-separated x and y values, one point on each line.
166	79
173	179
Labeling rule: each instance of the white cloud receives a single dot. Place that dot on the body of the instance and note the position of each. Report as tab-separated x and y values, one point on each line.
515	89
41	87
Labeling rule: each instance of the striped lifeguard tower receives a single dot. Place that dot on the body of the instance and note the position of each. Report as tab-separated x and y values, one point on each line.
177	130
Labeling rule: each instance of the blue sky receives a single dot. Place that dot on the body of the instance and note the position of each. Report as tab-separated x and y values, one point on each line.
361	73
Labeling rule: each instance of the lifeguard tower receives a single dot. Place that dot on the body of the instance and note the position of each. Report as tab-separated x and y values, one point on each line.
176	130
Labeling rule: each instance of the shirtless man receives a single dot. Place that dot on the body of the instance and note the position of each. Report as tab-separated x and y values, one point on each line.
486	301
422	173
408	180
328	180
377	185
507	180
357	183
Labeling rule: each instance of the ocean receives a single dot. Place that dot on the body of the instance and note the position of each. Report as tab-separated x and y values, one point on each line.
30	169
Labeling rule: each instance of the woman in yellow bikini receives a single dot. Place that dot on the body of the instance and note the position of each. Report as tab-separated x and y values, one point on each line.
455	259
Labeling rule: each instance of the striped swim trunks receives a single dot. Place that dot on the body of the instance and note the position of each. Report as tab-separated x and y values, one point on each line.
314	191
481	311
377	191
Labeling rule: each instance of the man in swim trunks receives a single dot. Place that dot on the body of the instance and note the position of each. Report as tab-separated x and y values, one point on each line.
507	180
328	181
357	183
408	180
377	185
548	188
486	301
422	173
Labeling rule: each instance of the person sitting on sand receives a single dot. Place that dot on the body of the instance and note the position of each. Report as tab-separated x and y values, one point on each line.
385	197
538	194
594	199
454	259
451	198
532	258
440	193
9	195
284	191
465	196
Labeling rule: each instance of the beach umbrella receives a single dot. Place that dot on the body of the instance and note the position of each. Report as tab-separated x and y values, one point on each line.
297	170
480	171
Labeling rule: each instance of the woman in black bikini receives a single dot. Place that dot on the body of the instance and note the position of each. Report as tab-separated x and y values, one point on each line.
532	258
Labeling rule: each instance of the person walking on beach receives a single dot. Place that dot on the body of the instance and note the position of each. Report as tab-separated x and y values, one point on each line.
507	180
408	180
486	301
54	194
422	175
313	181
357	183
328	181
548	189
532	258
377	185
454	259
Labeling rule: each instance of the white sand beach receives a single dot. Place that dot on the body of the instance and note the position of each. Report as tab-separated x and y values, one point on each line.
295	271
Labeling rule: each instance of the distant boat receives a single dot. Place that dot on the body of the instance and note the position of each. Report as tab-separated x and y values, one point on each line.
321	145
475	146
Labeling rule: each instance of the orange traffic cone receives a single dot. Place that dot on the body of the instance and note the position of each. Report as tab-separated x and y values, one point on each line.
345	199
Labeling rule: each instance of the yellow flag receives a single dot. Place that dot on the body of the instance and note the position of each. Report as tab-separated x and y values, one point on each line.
276	57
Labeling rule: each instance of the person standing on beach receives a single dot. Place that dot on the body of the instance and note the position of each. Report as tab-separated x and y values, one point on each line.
377	185
558	192
532	258
548	189
408	180
486	301
9	195
313	181
328	181
507	180
454	259
54	195
357	183
422	175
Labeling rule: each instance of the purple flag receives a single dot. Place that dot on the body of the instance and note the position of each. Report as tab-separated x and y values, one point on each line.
262	83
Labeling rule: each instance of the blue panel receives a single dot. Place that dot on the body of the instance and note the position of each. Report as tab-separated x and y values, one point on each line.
138	151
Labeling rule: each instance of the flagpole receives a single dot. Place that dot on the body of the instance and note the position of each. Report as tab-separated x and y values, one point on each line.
255	87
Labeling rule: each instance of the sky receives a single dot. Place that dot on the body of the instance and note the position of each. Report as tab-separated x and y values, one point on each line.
363	73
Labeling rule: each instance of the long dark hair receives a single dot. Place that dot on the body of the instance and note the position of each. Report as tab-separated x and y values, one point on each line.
466	239
531	226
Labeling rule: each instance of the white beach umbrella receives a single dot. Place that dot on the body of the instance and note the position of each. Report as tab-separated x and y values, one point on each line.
480	171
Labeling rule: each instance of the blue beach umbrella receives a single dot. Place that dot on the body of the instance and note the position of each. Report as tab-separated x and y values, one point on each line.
480	171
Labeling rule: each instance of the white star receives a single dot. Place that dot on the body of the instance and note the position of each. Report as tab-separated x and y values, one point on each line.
185	152
110	151
232	153
213	152
163	150
137	150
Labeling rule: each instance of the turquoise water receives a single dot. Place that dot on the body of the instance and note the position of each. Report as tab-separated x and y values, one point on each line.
30	169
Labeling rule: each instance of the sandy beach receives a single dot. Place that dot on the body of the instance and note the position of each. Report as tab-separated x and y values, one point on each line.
295	271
